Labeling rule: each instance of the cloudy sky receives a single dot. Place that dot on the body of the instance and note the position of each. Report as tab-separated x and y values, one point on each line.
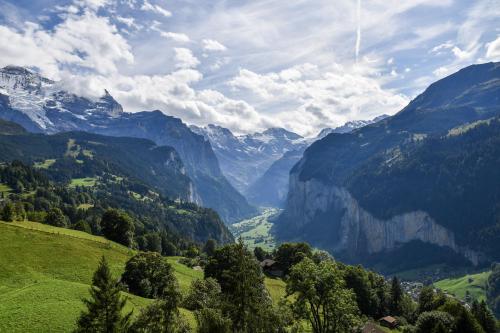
249	65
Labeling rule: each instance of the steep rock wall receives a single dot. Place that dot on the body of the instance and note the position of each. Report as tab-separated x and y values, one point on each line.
357	230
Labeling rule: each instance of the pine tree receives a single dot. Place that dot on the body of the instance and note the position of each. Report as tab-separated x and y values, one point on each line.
484	316
396	297
8	213
104	308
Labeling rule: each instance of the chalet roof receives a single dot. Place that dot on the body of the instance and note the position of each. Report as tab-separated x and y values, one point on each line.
267	263
388	319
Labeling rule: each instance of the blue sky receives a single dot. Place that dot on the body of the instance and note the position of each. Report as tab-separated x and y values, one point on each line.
249	65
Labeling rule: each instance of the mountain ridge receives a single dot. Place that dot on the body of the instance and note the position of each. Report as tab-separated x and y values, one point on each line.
40	106
344	171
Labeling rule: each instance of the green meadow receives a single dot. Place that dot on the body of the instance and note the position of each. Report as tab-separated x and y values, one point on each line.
46	272
475	284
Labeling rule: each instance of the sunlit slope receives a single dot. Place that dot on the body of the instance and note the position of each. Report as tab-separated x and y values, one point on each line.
46	271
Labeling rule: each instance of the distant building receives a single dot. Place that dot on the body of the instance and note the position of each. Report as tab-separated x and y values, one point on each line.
270	267
388	321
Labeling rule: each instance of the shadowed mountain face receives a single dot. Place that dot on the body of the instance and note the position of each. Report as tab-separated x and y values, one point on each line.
258	164
39	105
428	174
133	174
271	188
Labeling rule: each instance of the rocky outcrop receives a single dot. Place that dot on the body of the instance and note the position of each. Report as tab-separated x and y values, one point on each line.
355	231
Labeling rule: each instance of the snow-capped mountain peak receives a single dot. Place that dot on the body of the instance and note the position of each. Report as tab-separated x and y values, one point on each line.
45	104
349	126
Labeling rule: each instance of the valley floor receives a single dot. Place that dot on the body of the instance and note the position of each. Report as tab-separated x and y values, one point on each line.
257	230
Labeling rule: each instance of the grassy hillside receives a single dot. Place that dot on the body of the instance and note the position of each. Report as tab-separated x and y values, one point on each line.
474	283
46	271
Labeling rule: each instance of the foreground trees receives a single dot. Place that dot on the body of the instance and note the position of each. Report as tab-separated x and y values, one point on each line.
325	296
148	275
105	306
322	298
244	298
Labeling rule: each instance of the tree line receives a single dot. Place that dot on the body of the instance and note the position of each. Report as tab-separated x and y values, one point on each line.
150	223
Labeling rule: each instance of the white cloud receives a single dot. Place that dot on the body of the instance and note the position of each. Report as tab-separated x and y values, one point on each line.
129	22
93	4
185	58
85	40
310	98
243	65
147	6
177	37
493	49
213	45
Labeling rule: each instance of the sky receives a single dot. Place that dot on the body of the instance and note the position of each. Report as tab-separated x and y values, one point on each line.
249	65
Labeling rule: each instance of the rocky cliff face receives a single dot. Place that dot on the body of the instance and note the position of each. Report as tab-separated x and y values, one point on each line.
357	231
271	188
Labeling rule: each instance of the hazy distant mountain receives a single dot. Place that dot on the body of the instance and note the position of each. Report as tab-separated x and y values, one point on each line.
40	105
422	181
244	158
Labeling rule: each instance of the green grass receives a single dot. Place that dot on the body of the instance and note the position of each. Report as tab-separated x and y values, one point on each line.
185	275
45	164
46	271
85	206
83	182
276	288
256	231
474	283
5	188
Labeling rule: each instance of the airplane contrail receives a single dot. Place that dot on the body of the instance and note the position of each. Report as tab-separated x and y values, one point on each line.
358	35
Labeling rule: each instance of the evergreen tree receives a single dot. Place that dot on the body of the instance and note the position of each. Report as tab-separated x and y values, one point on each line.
396	297
484	316
426	300
211	321
259	253
104	308
210	247
466	323
8	214
245	299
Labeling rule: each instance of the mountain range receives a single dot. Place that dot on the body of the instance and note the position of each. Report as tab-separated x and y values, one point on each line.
258	164
381	192
42	106
425	178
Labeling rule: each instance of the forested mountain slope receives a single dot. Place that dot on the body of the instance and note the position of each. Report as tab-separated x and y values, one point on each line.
429	175
41	106
84	174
